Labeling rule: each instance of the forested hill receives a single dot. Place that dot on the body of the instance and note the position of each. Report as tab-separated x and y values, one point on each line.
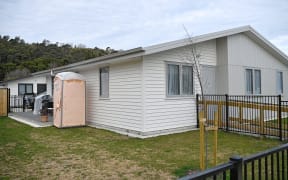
18	59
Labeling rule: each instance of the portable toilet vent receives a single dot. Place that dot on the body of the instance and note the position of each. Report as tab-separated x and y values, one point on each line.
69	100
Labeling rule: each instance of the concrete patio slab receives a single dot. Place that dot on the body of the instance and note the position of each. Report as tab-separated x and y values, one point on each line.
30	119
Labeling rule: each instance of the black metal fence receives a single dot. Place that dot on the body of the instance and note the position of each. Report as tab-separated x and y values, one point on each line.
270	164
21	103
284	119
16	104
262	115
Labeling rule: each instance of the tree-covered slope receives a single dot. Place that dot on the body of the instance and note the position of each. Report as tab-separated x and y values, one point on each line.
18	58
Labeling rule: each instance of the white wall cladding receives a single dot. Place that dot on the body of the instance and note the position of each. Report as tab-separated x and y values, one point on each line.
123	108
49	85
245	53
13	85
222	66
137	103
161	112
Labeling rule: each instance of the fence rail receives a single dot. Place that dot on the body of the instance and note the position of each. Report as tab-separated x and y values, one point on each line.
222	171
263	115
270	164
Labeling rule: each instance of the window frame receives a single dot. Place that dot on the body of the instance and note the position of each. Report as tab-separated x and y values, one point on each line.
246	79
100	85
180	79
282	83
25	84
253	81
255	90
41	84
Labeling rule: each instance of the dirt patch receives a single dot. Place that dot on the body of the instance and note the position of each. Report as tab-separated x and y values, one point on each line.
103	166
80	160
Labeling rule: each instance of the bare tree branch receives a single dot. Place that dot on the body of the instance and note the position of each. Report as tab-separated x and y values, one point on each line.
195	60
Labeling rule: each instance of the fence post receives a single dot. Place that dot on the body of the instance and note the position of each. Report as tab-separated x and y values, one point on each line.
227	111
262	123
280	117
8	100
197	109
202	141
236	171
216	119
23	103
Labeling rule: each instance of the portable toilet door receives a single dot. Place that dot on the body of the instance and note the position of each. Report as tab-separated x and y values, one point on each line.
57	101
69	100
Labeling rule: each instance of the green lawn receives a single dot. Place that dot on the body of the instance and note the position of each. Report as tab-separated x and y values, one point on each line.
275	123
77	153
284	121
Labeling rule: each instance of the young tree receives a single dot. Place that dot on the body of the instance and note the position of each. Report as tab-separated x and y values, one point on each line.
194	58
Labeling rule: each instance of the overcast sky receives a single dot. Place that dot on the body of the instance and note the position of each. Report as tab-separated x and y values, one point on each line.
125	24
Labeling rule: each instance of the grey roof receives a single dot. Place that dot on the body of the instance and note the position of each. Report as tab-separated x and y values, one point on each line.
93	60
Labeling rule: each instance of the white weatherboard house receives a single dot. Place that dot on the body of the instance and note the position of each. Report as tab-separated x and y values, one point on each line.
30	84
150	91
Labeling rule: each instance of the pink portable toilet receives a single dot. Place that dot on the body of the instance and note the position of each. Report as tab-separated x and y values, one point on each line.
69	100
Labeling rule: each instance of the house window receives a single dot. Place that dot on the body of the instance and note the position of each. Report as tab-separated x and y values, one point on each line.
25	89
104	82
173	79
179	80
41	88
257	81
253	81
187	80
279	82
